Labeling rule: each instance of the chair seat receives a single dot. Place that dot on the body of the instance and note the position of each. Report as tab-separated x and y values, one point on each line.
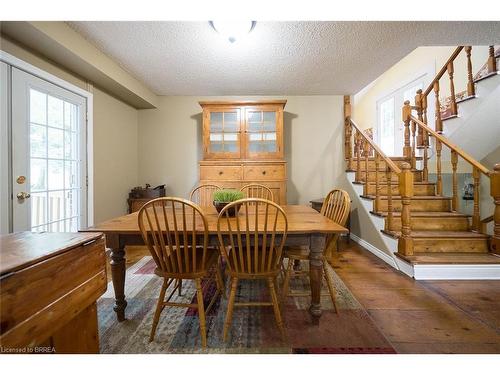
212	257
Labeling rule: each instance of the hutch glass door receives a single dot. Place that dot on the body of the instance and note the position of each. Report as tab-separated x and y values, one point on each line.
262	133
224	133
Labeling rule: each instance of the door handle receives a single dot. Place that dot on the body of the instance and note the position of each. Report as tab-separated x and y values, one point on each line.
23	195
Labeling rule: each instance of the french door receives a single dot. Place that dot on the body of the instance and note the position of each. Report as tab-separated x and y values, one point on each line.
49	184
389	123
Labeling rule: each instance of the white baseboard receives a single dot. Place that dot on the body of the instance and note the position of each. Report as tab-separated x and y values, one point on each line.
457	272
374	250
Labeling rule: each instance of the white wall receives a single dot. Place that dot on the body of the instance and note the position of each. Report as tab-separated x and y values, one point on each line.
170	144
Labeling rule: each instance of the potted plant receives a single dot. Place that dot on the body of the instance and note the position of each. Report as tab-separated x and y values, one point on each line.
224	197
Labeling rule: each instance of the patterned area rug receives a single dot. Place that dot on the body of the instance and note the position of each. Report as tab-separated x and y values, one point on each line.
253	329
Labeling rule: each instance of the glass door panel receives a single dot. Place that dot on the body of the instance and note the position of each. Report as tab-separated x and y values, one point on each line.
224	133
49	166
262	133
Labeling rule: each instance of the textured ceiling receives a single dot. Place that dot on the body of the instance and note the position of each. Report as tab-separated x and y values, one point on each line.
276	58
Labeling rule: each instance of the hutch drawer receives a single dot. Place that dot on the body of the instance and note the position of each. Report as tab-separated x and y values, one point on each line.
264	172
220	172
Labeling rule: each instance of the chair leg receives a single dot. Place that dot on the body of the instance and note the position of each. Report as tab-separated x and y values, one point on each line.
230	306
159	308
276	307
180	287
201	313
331	288
286	282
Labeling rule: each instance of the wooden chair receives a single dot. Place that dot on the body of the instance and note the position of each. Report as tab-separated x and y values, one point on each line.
258	191
252	245
203	195
176	233
336	207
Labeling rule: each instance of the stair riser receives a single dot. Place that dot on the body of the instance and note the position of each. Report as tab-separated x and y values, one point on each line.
435	245
433	223
371	164
382	177
417	189
418	205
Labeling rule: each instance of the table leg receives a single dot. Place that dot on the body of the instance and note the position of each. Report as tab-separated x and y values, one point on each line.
317	247
118	276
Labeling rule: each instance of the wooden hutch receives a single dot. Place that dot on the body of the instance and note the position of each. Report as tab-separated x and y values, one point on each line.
243	143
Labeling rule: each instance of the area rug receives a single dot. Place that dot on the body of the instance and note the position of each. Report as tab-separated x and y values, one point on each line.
253	329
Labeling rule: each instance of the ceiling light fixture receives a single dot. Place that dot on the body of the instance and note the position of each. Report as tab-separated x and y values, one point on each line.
233	30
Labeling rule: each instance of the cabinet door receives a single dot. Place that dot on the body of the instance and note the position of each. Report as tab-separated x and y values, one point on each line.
263	133
222	133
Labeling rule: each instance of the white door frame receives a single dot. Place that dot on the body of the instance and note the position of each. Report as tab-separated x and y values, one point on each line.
427	73
31	69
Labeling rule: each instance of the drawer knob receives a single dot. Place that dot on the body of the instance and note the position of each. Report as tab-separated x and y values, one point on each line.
263	172
221	172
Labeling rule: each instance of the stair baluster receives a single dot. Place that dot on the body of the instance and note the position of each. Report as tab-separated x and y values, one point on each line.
405	243
357	146
377	187
492	61
413	146
439	182
495	193
454	162
424	118
366	151
425	170
471	89
476	224
390	217
420	114
406	120
438	123
451	71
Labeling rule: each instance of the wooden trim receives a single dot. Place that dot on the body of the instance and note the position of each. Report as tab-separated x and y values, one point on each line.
242	102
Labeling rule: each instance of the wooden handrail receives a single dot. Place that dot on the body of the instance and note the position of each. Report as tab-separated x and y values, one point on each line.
377	149
453	147
443	70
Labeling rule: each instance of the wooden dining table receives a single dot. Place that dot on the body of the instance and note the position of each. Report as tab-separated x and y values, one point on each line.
306	227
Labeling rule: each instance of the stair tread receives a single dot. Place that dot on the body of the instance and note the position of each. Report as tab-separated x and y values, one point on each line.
451	258
414	183
444	233
426	214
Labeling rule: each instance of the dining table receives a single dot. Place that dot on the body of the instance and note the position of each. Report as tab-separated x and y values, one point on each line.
306	227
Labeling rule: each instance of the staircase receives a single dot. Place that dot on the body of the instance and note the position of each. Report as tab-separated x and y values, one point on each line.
425	234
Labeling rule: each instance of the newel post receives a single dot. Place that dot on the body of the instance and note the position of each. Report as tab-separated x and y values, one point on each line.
405	243
495	193
406	120
347	129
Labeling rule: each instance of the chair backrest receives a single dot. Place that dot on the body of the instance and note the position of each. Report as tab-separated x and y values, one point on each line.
258	191
252	242
336	206
203	195
176	233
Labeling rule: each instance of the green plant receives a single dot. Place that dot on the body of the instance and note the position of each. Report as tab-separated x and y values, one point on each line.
228	195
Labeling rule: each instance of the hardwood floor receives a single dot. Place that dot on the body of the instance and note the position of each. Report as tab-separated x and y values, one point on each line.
423	316
415	316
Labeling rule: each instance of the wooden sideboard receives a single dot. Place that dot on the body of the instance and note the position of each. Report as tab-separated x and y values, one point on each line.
243	144
49	284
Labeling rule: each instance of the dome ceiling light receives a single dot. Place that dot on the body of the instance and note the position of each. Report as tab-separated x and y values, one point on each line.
232	30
